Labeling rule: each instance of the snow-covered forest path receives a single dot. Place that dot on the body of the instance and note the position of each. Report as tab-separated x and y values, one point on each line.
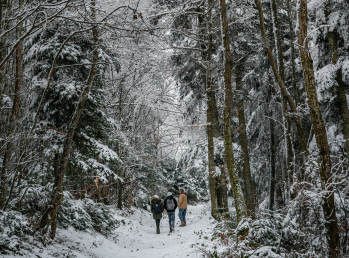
137	237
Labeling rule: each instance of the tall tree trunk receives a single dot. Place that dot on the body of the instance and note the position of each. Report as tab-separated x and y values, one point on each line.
341	92
13	119
222	193
120	190
280	59
289	146
343	107
57	196
284	91
120	183
98	191
240	205
320	133
281	67
3	175
211	167
293	53
279	191
2	52
272	162
212	114
290	155
249	185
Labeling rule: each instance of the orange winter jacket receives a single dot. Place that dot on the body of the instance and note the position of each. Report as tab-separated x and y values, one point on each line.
182	201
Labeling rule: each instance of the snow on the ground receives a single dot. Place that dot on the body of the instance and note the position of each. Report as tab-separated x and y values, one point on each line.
136	237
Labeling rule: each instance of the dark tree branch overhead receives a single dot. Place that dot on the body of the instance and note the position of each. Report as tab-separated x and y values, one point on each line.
29	31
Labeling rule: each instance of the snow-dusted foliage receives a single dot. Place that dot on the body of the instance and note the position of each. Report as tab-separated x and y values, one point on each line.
104	104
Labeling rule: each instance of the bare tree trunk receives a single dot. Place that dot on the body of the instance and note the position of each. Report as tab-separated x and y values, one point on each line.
120	191
58	186
343	107
222	193
2	53
293	53
120	183
211	166
272	163
98	191
212	114
284	98
290	156
82	191
284	91
240	205
279	191
3	175
280	59
250	190
288	137
320	133
13	119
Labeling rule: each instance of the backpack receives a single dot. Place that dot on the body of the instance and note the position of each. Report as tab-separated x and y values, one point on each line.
170	204
156	207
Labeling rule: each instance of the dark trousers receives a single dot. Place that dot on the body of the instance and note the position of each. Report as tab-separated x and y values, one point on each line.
157	223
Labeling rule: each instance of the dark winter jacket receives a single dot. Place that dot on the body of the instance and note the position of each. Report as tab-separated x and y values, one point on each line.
159	215
170	198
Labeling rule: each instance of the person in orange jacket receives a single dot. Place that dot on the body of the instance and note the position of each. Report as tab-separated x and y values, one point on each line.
182	207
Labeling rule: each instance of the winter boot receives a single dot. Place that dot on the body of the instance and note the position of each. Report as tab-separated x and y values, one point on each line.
171	230
182	224
158	231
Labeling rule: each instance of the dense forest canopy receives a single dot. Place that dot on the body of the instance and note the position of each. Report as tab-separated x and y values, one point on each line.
110	102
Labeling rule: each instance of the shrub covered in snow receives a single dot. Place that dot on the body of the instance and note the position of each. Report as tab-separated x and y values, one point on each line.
86	215
101	217
13	227
269	235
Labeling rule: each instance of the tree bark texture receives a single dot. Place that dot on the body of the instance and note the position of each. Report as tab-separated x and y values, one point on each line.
343	107
272	164
320	133
120	192
250	191
212	114
222	193
290	154
284	91
282	75
2	52
98	191
211	169
240	205
120	183
293	53
280	59
12	122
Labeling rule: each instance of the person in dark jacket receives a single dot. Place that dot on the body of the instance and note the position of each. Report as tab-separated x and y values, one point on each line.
170	204
157	208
